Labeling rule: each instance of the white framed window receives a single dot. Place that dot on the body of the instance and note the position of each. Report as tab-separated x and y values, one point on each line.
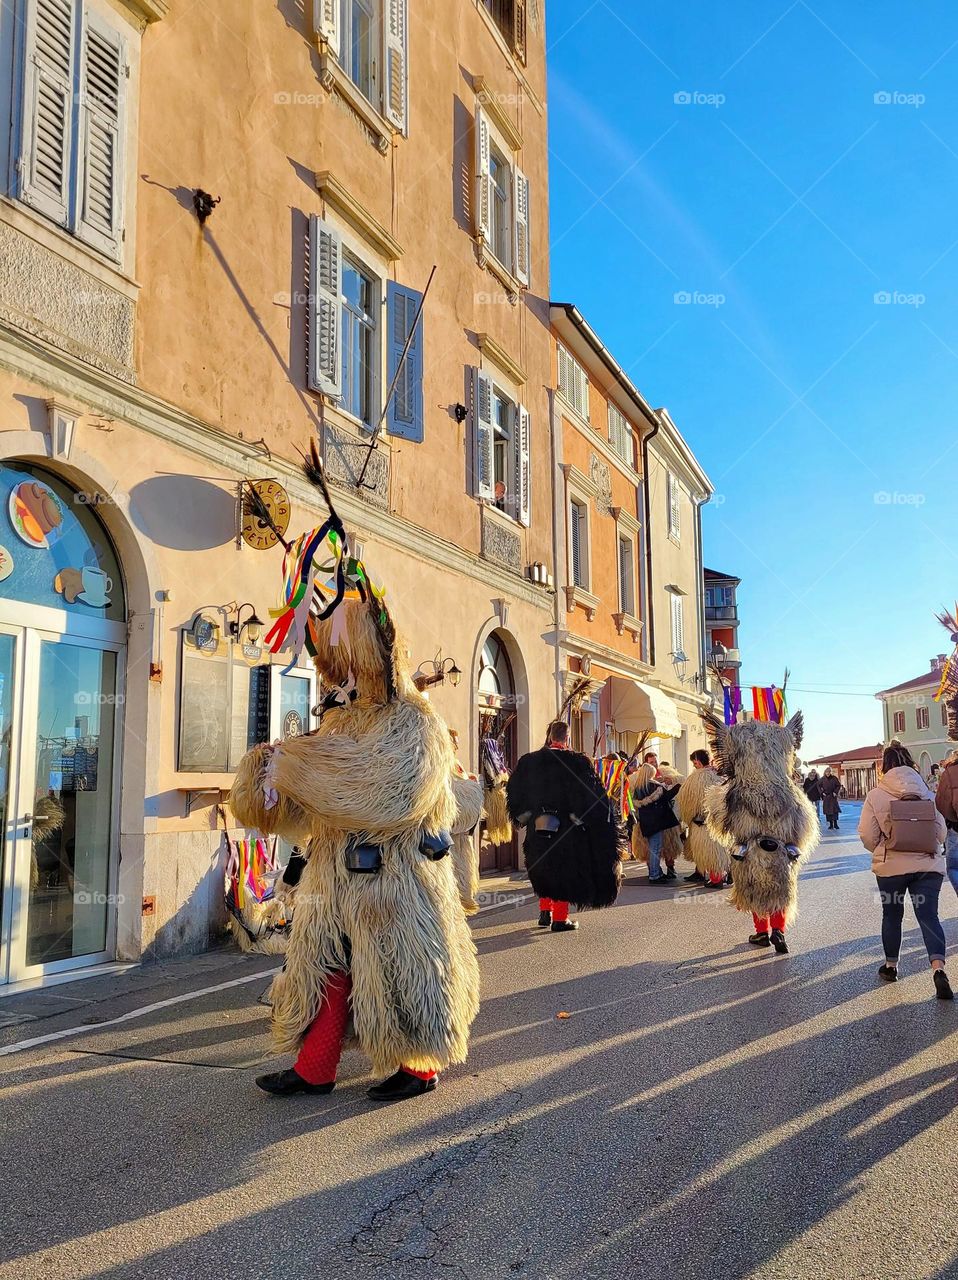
573	382
626	575
719	597
898	722
369	40
677	606
360	342
73	114
921	717
674	500
501	200
501	448
620	434
579	543
510	17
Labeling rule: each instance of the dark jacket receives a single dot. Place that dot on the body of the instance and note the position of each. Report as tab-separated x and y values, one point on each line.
580	862
813	789
830	788
946	796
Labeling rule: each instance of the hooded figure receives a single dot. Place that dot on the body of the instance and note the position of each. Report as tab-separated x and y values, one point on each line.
378	930
573	834
710	856
763	819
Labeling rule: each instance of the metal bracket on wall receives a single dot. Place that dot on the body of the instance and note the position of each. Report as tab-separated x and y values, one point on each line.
220	795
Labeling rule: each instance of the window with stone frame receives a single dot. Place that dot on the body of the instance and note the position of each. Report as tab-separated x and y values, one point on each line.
369	41
510	17
502	200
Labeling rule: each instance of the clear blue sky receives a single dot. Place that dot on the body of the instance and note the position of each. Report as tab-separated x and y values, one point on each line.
798	199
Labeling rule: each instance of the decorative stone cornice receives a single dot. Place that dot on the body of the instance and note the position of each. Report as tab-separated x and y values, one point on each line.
500	357
148	10
626	622
625	519
490	101
346	204
585	599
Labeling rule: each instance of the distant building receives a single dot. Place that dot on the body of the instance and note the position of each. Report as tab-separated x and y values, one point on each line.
915	719
857	769
721	624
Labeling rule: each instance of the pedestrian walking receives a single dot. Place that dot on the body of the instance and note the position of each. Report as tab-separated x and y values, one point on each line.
573	835
652	806
904	833
830	788
813	791
946	801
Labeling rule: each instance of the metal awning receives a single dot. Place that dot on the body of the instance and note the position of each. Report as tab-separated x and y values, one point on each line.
638	707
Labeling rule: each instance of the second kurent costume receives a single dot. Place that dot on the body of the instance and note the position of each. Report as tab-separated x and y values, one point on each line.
710	856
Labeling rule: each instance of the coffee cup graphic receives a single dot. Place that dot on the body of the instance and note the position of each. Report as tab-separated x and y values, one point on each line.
97	585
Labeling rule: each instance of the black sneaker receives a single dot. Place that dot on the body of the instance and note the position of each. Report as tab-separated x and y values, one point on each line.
658	880
695	878
283	1083
888	973
545	919
779	943
760	940
942	986
670	874
564	926
401	1085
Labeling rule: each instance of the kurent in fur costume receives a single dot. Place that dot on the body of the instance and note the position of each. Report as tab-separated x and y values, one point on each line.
710	856
763	818
468	795
378	930
573	833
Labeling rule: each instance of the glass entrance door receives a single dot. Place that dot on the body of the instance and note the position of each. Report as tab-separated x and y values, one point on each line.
59	814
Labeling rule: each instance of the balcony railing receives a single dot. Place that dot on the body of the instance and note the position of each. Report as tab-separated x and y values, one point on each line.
721	613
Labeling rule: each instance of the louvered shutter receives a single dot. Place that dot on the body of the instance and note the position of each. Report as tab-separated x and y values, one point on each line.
103	71
483	192
675	526
395	60
626	576
326	22
519	28
325	308
483	465
47	134
678	624
523	472
521	264
406	406
575	542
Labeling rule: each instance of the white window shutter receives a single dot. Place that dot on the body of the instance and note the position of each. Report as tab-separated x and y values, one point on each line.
519	27
326	22
325	313
47	114
483	463
575	542
103	79
675	525
483	192
522	264
523	471
395	60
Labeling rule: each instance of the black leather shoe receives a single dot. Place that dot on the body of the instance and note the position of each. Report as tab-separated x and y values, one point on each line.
760	940
401	1085
888	973
545	919
658	879
670	874
942	986
284	1083
695	878
564	926
779	943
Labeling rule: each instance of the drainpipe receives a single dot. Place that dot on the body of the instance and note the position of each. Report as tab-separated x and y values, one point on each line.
647	504
558	569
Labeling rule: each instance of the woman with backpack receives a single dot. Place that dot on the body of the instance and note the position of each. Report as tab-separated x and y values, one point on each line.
904	832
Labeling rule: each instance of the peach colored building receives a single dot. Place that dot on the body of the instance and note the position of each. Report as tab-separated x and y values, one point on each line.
216	228
628	519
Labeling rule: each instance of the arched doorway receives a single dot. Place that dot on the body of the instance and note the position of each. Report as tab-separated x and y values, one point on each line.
498	719
62	649
924	765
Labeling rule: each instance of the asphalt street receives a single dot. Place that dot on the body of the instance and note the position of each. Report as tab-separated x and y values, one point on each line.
704	1110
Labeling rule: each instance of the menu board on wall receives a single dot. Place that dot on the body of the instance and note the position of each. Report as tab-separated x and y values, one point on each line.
204	739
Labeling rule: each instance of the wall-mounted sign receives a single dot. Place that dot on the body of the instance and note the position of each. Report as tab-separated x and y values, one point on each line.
257	532
36	513
6	563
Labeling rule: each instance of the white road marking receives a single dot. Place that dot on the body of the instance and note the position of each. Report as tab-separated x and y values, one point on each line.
135	1013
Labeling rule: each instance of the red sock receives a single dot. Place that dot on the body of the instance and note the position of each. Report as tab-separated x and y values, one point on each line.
761	923
545	904
323	1043
560	912
420	1075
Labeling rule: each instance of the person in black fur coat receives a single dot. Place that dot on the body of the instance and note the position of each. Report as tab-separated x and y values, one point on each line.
573	834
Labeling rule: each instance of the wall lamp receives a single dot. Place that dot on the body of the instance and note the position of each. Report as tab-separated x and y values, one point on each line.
435	671
253	626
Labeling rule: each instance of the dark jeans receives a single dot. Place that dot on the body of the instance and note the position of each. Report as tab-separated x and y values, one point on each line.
924	887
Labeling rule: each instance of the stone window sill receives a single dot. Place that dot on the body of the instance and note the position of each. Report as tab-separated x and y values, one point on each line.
496	514
488	260
626	622
335	80
66	246
584	599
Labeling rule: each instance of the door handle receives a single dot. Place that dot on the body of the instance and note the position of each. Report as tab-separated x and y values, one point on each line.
25	822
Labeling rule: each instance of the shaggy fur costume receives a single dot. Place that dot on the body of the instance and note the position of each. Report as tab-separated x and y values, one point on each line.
377	769
468	794
760	799
710	856
582	862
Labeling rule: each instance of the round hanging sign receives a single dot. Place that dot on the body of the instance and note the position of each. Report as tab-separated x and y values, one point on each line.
256	532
